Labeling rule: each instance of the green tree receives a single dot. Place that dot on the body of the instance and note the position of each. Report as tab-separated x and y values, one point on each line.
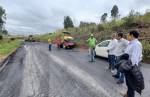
5	32
115	12
104	17
68	23
83	24
2	18
1	37
100	27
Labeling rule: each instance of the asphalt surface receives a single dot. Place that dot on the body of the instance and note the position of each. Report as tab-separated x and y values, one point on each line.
36	72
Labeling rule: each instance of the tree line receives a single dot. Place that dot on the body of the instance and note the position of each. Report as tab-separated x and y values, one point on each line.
2	21
68	23
132	20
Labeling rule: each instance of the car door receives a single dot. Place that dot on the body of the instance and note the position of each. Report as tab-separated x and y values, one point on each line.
102	49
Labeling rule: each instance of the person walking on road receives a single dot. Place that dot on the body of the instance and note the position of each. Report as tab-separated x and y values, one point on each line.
134	77
120	49
111	53
50	44
92	43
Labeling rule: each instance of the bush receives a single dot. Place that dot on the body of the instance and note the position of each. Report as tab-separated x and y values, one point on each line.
12	39
146	53
100	27
146	17
1	37
117	25
146	49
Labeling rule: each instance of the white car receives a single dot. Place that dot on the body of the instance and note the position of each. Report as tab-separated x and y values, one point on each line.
101	49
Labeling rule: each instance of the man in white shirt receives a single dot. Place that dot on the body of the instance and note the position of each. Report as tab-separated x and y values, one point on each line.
111	52
120	50
122	45
134	50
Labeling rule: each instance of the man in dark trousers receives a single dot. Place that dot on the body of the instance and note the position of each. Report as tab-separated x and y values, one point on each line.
134	50
111	53
50	44
119	51
92	43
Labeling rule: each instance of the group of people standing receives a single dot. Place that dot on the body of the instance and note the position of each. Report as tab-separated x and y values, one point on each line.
116	49
124	56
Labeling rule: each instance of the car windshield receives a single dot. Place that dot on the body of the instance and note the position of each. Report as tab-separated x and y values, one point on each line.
104	44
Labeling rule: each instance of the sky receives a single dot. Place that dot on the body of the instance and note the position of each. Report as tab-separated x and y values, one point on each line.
25	17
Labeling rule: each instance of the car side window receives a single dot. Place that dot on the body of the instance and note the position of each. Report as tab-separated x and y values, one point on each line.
104	44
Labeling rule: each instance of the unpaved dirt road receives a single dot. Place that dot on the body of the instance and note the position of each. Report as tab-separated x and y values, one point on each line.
36	72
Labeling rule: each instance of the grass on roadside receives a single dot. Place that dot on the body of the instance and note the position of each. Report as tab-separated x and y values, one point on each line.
7	46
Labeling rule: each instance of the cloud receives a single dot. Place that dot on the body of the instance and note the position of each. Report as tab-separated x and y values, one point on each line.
43	16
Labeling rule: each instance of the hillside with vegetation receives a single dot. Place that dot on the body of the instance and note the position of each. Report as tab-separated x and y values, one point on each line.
103	30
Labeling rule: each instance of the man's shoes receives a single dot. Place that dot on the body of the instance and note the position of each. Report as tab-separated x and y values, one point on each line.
115	76
113	72
123	95
120	82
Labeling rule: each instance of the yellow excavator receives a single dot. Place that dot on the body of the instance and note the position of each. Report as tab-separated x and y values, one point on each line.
68	41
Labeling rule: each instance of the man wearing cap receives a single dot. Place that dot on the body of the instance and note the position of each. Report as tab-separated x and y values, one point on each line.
92	43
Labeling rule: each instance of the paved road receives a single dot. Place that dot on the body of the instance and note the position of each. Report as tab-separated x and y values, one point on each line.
36	72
